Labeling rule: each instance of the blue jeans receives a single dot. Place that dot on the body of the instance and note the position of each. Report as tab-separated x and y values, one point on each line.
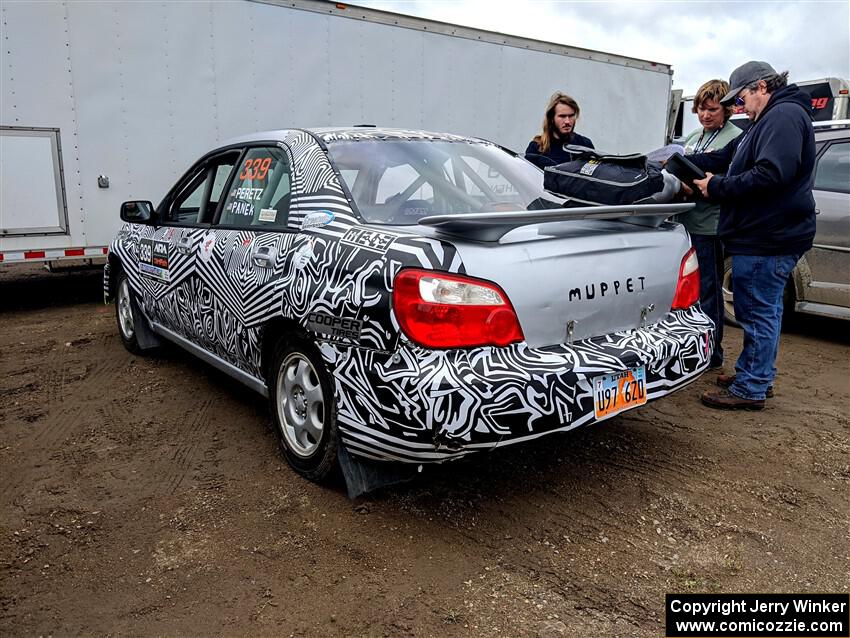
710	255
758	284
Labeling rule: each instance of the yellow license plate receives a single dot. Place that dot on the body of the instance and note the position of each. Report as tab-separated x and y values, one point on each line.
613	393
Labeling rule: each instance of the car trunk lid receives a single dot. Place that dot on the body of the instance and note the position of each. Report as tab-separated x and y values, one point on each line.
579	279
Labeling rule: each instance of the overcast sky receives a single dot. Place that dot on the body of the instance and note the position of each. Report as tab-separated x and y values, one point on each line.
701	40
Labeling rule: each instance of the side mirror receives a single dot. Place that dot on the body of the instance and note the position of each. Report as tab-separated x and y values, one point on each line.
137	212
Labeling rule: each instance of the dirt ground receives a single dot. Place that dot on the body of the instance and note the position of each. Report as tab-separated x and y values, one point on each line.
146	496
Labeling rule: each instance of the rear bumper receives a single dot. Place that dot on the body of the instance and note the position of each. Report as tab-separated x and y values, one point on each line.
418	405
90	254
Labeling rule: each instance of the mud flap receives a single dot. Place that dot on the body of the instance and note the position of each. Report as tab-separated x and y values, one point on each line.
363	476
145	336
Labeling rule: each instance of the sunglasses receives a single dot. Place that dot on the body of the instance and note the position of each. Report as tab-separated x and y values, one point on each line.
739	101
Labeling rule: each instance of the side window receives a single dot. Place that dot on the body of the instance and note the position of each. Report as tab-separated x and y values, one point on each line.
260	194
349	176
196	201
220	175
833	170
186	206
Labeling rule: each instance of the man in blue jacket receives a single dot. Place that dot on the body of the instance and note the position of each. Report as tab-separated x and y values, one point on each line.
767	218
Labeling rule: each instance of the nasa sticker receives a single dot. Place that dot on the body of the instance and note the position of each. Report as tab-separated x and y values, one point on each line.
303	255
207	245
318	218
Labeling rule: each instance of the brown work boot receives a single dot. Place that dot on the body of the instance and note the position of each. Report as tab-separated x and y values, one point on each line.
725	400
725	380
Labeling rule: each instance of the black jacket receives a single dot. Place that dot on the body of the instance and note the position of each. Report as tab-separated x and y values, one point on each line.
556	154
766	202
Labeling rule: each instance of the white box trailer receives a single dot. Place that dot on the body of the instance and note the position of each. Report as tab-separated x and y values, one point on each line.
110	101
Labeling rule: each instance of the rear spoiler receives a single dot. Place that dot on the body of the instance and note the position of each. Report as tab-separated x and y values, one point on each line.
493	226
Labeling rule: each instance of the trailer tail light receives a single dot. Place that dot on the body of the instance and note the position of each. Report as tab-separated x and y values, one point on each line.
439	310
687	288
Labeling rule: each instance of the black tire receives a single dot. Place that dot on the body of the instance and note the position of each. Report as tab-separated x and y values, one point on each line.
126	314
303	408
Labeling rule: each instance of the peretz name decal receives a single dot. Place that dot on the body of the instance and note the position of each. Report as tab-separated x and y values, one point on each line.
616	287
338	327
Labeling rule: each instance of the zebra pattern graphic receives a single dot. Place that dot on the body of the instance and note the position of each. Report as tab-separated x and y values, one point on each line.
395	401
434	405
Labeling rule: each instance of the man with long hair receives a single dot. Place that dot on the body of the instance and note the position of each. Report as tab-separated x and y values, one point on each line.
547	149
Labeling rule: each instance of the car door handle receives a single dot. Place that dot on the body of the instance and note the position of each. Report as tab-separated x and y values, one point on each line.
184	245
264	256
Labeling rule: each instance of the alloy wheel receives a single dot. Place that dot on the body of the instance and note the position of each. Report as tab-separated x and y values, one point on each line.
301	404
125	311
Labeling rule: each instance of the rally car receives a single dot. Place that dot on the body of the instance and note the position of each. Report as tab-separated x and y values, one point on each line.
406	296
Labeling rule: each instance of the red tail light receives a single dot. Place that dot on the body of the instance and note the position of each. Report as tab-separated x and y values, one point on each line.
687	288
439	310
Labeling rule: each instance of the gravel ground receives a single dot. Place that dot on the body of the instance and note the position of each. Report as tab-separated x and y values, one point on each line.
146	496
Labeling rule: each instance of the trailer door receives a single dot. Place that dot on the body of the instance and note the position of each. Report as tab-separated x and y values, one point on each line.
32	192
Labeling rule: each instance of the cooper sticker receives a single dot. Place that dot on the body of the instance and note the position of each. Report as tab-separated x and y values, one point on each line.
319	218
207	245
338	327
368	239
267	215
153	258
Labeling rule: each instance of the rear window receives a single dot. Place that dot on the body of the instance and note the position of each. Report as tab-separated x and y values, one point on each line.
400	181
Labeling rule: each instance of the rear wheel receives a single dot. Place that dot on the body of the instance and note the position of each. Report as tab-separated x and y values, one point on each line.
728	305
303	409
126	313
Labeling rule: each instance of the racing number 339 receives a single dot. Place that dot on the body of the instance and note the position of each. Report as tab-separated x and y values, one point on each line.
255	168
619	391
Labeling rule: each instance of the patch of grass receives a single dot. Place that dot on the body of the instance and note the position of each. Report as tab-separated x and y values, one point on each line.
452	616
733	563
688	581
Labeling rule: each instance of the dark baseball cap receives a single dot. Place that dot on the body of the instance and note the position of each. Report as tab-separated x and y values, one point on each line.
745	75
